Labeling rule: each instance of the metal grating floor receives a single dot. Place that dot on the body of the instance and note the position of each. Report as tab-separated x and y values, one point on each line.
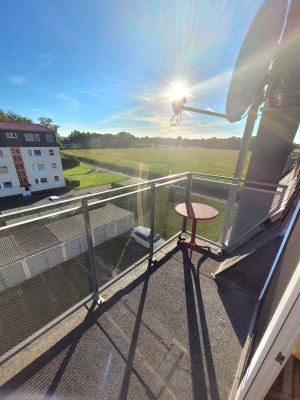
167	331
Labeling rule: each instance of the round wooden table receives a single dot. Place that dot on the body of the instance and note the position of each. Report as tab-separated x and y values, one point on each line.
195	212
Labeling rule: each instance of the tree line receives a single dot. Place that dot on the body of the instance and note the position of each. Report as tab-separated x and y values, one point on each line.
92	140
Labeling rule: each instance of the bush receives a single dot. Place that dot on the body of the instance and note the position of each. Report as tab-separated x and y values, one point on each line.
74	184
69	162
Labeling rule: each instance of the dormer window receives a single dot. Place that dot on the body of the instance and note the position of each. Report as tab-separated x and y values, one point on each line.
49	137
11	135
29	137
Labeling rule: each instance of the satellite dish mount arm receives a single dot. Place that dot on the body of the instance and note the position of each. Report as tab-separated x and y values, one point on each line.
178	106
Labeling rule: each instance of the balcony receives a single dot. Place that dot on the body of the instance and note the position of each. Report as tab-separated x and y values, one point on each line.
87	313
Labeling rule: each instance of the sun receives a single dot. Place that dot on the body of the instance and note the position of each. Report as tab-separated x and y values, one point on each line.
177	91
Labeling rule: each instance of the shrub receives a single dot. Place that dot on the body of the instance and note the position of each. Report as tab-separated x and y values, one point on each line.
69	161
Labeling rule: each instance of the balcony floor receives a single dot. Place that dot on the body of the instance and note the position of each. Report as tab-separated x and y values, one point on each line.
168	331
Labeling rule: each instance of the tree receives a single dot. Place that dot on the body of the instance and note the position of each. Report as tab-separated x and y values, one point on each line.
13	117
47	122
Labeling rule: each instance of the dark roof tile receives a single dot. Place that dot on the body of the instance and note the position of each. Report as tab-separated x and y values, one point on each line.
14	126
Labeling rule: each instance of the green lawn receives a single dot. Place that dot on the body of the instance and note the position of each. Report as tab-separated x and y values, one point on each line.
81	170
157	162
90	176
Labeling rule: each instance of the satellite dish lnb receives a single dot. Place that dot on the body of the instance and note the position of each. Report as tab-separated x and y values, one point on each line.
255	56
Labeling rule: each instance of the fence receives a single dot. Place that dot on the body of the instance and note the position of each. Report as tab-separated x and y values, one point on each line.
58	256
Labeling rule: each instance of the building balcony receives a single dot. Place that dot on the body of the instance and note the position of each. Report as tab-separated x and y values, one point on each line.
86	313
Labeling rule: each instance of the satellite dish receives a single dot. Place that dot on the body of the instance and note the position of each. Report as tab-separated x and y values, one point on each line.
255	56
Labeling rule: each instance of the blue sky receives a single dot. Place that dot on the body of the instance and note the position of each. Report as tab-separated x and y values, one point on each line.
107	66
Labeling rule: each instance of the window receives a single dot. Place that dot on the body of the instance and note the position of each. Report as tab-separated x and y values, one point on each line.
54	165
3	170
37	137
7	185
56	178
49	137
38	167
1	153
38	181
11	135
29	137
51	152
34	153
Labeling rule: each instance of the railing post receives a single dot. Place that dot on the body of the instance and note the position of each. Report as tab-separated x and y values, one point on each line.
187	197
152	217
91	255
252	116
228	211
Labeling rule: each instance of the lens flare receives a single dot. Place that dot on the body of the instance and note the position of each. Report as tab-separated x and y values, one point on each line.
177	91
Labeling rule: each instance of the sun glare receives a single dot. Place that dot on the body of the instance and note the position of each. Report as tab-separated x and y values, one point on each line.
177	91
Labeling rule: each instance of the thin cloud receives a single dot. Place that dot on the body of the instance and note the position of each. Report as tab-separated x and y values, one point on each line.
71	101
98	97
16	79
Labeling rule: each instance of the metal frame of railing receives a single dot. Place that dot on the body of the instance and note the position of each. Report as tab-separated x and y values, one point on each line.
86	203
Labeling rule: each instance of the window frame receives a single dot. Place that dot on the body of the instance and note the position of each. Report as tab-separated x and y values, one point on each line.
4	187
49	138
11	135
29	137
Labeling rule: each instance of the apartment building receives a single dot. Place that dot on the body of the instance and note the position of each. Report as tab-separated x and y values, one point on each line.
29	159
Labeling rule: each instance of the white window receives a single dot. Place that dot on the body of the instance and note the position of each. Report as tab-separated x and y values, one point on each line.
11	135
49	137
29	137
54	165
1	153
7	185
34	153
3	170
39	181
37	137
51	152
38	167
56	178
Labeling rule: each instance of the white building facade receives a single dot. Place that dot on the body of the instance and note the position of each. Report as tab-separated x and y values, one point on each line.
29	159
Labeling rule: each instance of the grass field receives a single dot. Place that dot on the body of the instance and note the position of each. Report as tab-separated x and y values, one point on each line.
89	176
156	162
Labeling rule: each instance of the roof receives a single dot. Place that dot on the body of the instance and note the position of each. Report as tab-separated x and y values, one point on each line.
142	230
16	126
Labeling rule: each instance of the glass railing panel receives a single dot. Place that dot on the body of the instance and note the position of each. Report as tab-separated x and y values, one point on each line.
116	247
167	222
213	193
252	208
43	273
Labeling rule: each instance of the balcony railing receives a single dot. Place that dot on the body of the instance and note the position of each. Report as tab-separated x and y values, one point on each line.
57	256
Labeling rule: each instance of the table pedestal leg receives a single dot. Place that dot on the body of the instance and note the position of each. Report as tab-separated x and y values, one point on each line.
193	242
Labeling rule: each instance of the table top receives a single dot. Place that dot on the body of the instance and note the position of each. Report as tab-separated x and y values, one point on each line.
196	211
